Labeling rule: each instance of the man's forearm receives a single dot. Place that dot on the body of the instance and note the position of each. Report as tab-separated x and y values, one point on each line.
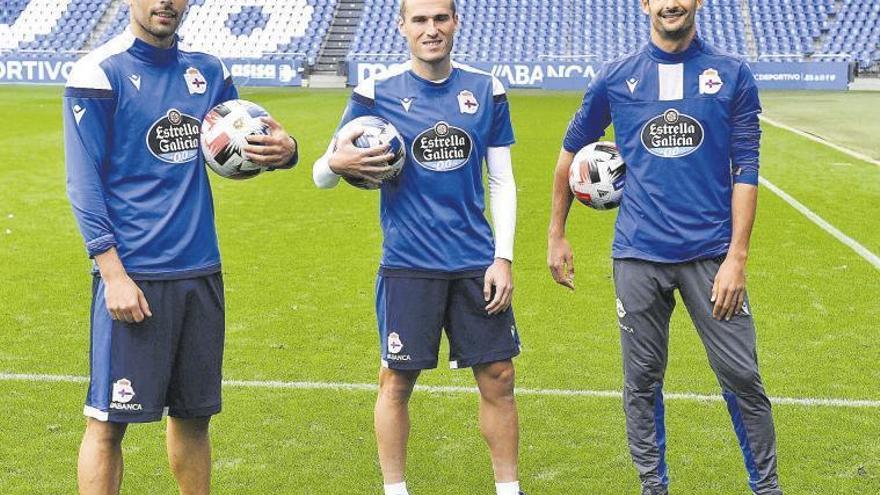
561	195
743	205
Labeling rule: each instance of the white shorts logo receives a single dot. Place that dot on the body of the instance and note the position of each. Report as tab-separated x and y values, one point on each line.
621	312
394	343
123	392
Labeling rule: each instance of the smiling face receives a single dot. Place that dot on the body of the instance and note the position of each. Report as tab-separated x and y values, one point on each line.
429	27
156	21
672	20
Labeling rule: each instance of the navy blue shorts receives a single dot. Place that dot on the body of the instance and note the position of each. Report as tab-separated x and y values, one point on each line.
412	310
168	364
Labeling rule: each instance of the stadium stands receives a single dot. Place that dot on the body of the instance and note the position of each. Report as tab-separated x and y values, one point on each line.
250	28
49	26
775	30
496	30
785	29
857	32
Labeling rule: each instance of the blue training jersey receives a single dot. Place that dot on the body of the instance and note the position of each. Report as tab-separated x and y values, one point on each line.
432	214
687	128
136	177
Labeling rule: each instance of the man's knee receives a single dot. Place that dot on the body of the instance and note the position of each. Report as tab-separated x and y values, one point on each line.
496	380
643	377
396	385
742	381
194	428
104	434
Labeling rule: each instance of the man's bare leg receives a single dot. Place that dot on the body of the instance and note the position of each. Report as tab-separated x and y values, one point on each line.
99	467
189	454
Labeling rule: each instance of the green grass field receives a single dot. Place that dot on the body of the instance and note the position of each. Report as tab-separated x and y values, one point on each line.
300	267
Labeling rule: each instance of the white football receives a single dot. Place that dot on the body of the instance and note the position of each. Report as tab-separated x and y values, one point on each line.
224	135
377	131
597	175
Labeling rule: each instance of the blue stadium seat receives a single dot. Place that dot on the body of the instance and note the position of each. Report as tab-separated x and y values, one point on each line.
522	30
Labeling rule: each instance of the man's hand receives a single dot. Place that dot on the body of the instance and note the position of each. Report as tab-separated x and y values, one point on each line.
367	164
729	289
275	149
125	300
560	259
499	276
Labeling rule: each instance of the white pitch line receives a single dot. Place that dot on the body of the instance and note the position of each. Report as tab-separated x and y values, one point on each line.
813	137
369	387
824	225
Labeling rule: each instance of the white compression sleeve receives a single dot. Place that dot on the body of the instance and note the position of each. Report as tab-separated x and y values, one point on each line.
322	175
502	200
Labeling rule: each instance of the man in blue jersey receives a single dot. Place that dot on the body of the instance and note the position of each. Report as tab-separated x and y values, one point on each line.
686	121
140	194
441	266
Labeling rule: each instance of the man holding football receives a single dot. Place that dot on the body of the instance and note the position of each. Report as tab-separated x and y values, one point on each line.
140	193
686	121
441	266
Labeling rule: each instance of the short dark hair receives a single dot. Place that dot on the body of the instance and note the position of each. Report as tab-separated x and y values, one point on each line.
403	8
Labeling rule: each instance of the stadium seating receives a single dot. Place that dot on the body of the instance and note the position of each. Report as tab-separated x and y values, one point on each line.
524	30
50	26
857	33
785	29
251	28
497	30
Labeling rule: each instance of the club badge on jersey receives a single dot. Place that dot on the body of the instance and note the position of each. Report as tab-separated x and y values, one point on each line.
195	81
467	103
710	82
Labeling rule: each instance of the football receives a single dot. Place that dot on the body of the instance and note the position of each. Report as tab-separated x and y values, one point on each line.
597	175
224	135
377	132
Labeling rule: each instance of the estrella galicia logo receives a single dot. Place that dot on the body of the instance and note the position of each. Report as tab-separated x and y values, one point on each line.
442	148
672	134
175	137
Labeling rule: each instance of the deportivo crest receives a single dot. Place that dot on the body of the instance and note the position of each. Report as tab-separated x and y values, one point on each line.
195	81
467	103
672	134
175	137
395	345
710	82
123	392
442	148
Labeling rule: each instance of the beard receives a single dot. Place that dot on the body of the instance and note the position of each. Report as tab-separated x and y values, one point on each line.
676	34
157	30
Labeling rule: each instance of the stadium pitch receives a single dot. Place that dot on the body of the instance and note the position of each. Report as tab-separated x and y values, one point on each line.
300	266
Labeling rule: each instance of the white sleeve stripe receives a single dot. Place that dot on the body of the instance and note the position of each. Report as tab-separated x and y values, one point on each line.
367	89
497	87
88	74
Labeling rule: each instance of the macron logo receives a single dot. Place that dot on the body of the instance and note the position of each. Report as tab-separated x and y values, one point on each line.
631	83
78	113
136	80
